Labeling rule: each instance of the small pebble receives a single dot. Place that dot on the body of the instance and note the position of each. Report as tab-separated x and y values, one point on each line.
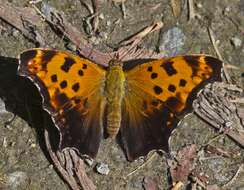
172	41
15	33
108	23
236	42
199	5
101	16
33	145
89	161
102	168
227	9
5	143
2	107
50	166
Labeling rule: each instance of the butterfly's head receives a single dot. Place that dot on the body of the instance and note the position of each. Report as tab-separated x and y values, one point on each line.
115	62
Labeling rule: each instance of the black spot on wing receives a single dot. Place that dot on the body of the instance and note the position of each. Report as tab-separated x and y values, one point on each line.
46	57
76	87
157	89
192	60
67	64
149	69
154	75
80	73
182	82
63	84
171	88
169	68
54	78
84	66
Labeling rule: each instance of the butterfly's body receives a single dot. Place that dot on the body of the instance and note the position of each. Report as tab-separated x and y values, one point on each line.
114	93
143	103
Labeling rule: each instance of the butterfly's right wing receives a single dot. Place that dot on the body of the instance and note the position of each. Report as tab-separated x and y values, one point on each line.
71	88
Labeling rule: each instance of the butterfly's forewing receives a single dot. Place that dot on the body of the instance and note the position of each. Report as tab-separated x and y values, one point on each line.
158	94
71	91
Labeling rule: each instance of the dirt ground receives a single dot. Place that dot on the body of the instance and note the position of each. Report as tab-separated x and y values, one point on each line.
24	164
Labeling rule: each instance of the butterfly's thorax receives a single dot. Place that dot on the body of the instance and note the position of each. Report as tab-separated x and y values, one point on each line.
114	91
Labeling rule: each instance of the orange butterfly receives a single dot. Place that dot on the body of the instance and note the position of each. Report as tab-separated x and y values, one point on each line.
143	104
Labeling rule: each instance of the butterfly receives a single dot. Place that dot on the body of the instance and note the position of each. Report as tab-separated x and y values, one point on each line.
140	104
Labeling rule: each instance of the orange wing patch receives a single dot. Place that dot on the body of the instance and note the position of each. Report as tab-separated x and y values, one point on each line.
174	78
71	88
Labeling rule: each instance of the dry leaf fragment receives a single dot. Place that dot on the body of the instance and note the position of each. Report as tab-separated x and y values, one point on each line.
176	7
185	164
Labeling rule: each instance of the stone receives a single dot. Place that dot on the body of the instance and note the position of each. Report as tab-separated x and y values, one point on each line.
172	41
102	168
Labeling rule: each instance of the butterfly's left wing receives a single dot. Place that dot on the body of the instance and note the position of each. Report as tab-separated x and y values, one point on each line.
72	92
158	94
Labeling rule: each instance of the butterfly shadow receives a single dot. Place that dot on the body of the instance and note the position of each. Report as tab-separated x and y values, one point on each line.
22	98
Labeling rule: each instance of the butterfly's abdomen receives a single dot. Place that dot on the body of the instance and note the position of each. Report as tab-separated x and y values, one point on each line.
114	94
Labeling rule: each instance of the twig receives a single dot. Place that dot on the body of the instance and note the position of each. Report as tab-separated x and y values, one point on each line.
191	10
229	66
142	165
72	183
80	171
234	178
213	139
213	41
18	17
123	9
141	34
207	107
